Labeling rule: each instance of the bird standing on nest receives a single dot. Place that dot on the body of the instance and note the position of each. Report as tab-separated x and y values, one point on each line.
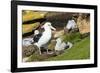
46	36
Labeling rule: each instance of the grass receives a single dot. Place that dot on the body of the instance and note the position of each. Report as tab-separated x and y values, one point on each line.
80	50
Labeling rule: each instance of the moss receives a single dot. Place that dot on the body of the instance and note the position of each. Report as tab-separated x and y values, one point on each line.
71	37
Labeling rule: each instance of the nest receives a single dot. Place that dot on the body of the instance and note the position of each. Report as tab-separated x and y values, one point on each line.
29	50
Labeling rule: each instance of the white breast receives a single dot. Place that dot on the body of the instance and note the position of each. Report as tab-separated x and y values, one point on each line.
60	45
46	36
71	24
57	47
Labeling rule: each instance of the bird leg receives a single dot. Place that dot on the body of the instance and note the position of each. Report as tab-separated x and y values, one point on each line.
40	51
47	51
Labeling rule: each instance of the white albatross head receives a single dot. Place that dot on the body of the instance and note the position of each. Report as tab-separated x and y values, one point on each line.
48	24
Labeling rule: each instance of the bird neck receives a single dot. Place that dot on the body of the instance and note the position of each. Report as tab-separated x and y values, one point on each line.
47	29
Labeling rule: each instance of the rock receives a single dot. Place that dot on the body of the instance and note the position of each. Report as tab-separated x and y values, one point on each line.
83	22
27	41
58	33
30	27
29	15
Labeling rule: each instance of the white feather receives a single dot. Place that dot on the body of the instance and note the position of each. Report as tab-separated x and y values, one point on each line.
46	36
71	24
60	45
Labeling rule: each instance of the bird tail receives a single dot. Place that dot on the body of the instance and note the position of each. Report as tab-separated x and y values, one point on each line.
36	44
37	47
